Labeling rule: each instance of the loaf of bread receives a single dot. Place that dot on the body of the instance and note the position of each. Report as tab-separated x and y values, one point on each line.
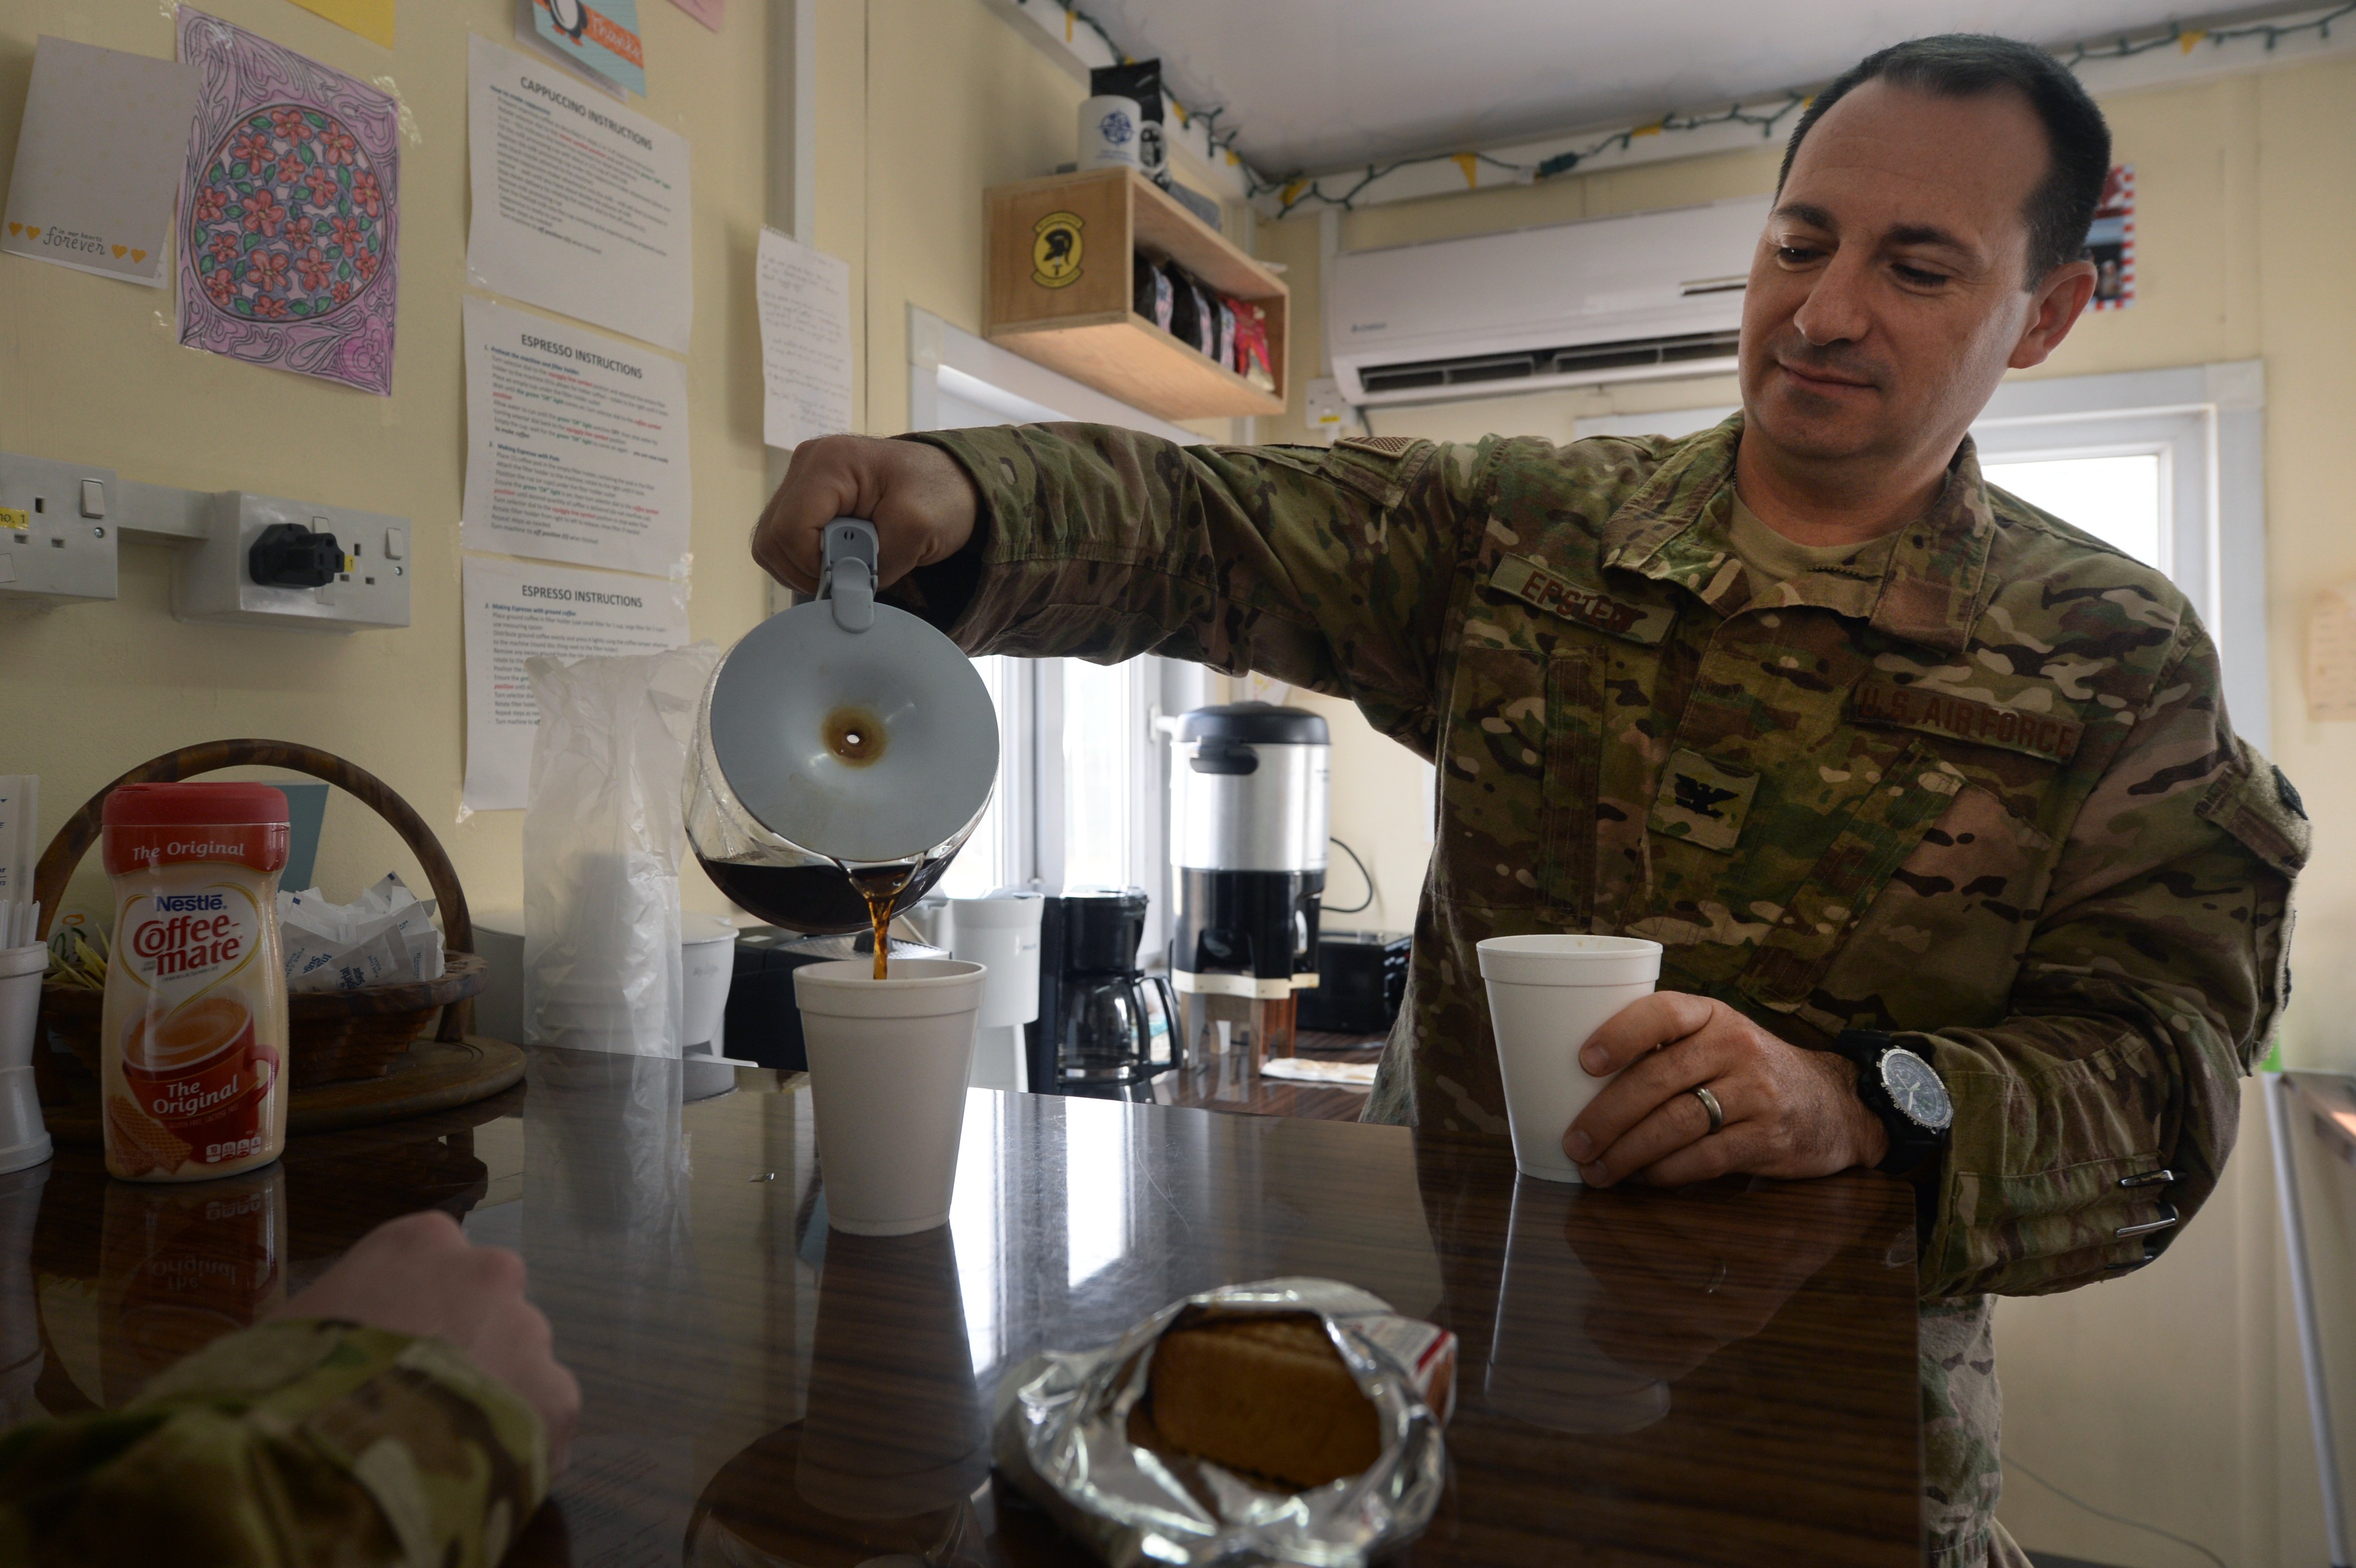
1267	1394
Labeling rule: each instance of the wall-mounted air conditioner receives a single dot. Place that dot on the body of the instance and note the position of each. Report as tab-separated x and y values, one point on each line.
1613	299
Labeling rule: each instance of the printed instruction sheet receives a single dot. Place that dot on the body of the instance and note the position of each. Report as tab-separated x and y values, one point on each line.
99	158
804	300
577	445
516	611
579	207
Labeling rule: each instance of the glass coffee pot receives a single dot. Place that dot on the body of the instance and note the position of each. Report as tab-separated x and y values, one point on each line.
844	752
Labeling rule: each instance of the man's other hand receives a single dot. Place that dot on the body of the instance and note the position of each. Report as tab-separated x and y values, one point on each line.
921	503
419	1274
1789	1111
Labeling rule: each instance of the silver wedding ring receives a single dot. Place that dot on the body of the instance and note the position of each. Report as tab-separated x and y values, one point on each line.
1709	1102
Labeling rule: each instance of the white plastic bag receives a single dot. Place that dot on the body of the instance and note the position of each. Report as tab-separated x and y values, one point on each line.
602	838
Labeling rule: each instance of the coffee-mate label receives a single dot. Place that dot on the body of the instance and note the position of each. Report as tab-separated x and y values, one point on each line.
196	1022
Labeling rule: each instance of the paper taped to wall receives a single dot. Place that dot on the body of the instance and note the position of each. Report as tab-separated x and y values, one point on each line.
577	445
290	204
578	208
20	827
2332	655
98	159
804	300
516	612
602	38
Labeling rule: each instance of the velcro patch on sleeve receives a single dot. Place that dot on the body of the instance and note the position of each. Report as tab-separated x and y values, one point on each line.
1524	579
1966	719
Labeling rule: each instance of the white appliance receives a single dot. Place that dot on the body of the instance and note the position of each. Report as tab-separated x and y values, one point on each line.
1638	297
707	965
1000	932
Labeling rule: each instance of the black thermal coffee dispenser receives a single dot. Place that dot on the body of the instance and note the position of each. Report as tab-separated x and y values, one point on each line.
1248	804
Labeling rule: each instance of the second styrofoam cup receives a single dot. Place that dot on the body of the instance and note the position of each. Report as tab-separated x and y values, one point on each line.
888	1061
1547	994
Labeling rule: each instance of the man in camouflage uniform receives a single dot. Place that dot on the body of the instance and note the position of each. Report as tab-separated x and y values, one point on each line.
405	1409
1876	753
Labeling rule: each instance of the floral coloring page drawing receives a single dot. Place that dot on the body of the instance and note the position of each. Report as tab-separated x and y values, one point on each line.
289	211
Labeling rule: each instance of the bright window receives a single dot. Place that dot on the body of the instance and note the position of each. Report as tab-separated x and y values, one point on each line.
993	857
1105	753
2116	498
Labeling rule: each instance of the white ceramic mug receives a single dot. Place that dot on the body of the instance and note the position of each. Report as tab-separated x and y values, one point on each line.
888	1063
1109	125
1547	994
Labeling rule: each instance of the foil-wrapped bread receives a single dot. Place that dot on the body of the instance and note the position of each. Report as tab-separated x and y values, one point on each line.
1267	1395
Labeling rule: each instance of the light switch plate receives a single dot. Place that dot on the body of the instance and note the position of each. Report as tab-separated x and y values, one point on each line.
56	554
211	584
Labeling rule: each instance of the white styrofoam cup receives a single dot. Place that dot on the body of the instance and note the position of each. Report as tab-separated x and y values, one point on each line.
888	1063
1547	994
707	965
24	1137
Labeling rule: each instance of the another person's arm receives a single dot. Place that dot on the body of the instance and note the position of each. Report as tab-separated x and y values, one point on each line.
407	1408
1335	570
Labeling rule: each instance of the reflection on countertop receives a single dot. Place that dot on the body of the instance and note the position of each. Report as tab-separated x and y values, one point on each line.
1664	1373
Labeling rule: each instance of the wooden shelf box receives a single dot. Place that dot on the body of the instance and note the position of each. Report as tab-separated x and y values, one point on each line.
1074	314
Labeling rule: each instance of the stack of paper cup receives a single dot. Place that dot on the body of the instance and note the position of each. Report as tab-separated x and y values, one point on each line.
1547	994
23	1139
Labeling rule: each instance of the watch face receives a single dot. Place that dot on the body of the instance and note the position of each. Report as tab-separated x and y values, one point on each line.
1915	1089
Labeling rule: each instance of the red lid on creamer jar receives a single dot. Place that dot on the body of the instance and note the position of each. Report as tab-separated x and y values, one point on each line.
161	823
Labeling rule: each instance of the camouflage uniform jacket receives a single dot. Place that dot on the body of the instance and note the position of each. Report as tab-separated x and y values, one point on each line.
299	1442
1989	803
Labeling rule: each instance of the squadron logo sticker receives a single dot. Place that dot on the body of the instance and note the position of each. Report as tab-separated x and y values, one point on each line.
1055	250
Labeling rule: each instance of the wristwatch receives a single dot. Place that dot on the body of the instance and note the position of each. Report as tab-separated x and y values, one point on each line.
1905	1092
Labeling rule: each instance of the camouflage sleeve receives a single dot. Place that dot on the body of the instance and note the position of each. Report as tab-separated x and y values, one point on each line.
298	1443
1332	569
2152	981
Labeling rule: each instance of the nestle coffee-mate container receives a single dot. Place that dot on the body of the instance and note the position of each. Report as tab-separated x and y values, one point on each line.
193	1052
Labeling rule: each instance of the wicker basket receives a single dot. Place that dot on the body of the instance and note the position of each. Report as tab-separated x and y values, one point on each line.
331	1035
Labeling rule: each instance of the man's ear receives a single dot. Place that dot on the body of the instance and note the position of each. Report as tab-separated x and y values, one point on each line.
2054	308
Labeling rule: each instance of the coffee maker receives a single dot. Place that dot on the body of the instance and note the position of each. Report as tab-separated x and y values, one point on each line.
1247	824
1106	1030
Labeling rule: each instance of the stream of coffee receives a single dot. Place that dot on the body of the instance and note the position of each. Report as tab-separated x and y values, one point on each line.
882	886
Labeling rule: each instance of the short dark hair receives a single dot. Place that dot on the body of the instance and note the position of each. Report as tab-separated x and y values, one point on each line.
1966	65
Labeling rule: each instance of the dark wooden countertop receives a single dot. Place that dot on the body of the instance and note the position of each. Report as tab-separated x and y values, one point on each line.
1724	1375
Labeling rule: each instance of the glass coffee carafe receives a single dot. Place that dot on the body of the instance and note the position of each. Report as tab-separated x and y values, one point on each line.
844	752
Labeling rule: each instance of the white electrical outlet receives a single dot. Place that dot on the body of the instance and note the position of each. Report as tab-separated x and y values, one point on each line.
362	582
56	539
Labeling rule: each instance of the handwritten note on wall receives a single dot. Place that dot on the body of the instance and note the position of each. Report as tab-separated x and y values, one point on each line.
2332	655
804	300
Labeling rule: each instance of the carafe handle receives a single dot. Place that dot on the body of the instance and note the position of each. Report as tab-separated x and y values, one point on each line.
1174	1020
846	574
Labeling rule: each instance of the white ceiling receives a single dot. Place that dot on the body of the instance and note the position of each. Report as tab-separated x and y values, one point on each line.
1317	84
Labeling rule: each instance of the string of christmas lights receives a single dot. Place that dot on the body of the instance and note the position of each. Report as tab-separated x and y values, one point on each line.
1297	189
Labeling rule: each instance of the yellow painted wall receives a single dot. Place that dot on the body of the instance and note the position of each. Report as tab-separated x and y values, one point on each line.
91	371
921	105
2173	1395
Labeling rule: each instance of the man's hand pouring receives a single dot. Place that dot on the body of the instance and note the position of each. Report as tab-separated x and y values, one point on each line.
921	503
